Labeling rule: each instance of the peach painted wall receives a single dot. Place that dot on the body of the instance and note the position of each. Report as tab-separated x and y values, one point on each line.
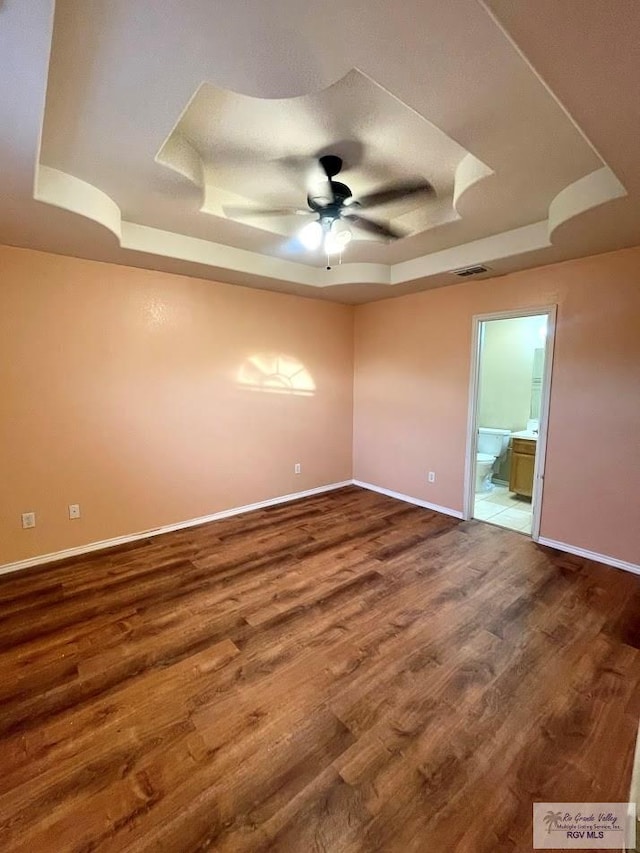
412	366
119	391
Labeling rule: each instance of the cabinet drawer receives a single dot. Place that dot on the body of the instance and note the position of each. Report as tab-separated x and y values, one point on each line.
523	445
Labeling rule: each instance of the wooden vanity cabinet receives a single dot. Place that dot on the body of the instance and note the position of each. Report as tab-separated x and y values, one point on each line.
523	460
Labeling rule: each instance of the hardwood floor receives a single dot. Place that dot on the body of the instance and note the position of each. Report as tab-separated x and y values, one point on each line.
343	673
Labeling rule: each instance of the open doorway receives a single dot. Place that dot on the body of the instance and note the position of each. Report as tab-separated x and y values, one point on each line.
508	411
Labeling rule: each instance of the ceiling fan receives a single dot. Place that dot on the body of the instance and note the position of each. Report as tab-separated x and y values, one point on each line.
337	209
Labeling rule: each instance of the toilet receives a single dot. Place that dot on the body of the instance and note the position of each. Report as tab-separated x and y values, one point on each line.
492	443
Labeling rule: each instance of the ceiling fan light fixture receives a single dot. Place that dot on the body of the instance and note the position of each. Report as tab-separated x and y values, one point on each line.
336	208
337	237
311	235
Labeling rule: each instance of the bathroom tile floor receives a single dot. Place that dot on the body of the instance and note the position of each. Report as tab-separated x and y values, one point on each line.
504	508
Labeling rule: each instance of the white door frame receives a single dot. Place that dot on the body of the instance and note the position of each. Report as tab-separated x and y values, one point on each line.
472	418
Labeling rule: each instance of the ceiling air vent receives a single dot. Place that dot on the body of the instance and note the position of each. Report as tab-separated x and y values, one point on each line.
469	271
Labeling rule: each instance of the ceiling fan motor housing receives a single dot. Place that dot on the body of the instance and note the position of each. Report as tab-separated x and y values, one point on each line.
322	203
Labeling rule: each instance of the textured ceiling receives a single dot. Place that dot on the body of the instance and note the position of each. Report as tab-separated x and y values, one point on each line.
155	116
242	150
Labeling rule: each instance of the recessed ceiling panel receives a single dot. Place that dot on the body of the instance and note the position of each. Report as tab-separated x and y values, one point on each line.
262	152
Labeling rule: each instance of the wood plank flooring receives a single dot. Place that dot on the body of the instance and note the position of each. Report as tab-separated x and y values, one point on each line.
342	673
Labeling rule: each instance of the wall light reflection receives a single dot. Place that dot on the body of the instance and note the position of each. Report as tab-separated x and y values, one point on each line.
276	374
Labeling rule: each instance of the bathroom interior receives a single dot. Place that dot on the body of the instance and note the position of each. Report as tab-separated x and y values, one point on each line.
511	372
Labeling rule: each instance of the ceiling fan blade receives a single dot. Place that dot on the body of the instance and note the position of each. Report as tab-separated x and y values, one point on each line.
397	192
373	227
236	212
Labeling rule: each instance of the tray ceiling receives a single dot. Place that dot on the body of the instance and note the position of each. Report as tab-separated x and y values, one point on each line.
156	118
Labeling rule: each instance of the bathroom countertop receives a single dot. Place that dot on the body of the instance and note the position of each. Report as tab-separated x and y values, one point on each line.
525	433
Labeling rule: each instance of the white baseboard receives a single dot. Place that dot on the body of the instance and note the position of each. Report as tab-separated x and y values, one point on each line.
559	546
590	555
407	499
227	513
79	550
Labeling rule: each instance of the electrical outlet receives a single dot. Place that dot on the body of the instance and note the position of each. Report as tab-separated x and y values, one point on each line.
74	510
28	520
297	468
432	477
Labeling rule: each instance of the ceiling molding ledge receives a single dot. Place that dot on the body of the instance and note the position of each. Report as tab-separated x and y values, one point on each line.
60	189
65	191
528	238
469	172
143	238
582	195
178	154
